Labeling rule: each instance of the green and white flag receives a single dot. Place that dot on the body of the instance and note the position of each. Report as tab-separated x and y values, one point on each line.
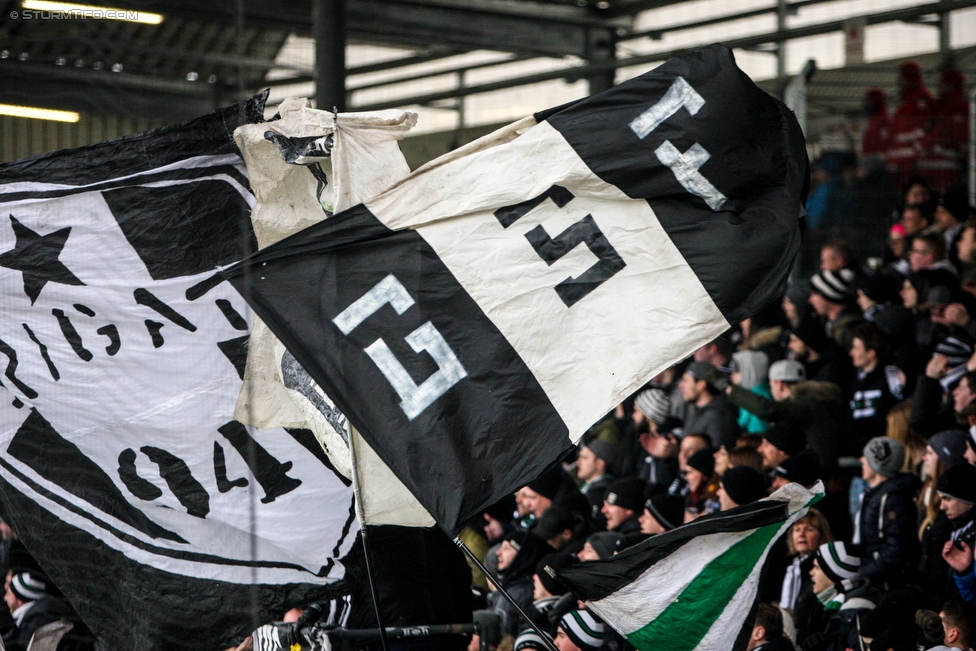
692	587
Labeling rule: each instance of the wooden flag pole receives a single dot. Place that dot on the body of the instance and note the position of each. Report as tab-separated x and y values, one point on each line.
360	515
542	634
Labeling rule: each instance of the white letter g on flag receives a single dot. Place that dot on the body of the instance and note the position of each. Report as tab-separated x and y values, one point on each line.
414	399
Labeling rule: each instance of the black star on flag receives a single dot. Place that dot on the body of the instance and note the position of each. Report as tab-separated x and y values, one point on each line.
36	256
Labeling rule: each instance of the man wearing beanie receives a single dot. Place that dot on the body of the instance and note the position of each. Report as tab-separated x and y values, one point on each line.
885	525
708	410
957	493
801	469
741	485
622	505
600	546
29	597
831	297
698	472
548	606
949	447
816	407
579	630
662	513
780	442
517	557
842	595
591	466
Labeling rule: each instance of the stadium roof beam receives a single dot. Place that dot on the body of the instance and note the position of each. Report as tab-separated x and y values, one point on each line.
574	73
529	28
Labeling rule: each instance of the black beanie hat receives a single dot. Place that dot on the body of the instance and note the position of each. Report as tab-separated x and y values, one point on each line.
548	483
548	567
802	468
604	543
959	482
703	462
503	510
879	287
530	548
786	436
627	493
744	484
668	510
811	332
553	522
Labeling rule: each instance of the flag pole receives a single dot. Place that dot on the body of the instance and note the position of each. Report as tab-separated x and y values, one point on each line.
542	634
360	515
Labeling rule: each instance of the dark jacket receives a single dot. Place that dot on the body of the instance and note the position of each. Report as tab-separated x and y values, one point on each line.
888	535
718	420
930	414
836	630
815	404
936	578
657	473
44	611
871	398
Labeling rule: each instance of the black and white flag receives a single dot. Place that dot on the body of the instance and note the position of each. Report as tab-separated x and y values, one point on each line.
476	318
164	521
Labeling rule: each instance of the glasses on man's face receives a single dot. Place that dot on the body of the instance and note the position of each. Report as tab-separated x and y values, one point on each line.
919	251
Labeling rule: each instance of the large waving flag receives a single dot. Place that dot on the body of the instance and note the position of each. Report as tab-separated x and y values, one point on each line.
690	589
167	523
476	318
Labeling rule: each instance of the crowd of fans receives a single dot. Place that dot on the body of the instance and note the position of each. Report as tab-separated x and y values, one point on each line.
864	378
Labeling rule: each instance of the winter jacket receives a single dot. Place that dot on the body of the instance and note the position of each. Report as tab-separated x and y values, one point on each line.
657	473
834	627
887	531
718	420
43	611
520	589
934	569
815	404
966	584
748	421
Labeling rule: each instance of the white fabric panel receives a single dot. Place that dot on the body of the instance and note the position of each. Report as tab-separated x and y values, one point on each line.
514	286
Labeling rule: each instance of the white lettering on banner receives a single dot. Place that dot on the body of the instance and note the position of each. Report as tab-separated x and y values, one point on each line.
389	290
680	94
414	399
685	166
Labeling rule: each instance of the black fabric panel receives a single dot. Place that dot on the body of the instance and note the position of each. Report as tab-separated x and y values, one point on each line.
133	606
210	134
492	432
742	253
596	579
201	220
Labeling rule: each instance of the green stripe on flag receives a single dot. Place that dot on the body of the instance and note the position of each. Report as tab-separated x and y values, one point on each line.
686	620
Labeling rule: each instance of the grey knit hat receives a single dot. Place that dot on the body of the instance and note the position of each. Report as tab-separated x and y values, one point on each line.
654	404
603	450
885	456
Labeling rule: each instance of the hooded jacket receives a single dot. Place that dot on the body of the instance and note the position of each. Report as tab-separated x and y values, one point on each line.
886	530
